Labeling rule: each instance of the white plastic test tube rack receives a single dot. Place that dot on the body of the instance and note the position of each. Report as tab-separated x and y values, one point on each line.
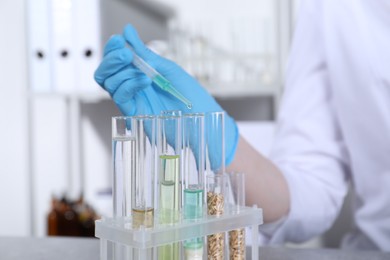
119	231
120	239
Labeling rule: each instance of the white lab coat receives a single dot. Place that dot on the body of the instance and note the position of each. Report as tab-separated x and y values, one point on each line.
334	122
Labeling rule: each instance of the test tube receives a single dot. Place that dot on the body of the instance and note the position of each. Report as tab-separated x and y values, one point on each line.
124	163
215	142
123	152
169	176
193	179
237	236
143	179
216	197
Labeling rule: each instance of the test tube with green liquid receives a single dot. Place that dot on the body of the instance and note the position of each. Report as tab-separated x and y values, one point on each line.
193	179
169	177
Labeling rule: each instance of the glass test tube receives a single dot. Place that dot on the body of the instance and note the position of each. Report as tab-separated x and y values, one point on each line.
193	179
237	236
169	176
123	152
215	142
143	179
216	197
124	163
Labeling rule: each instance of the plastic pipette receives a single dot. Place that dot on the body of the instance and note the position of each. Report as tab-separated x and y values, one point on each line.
157	78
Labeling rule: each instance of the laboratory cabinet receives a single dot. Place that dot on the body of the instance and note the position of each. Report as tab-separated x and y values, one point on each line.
58	142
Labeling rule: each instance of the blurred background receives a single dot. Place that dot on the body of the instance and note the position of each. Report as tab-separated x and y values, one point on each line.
55	136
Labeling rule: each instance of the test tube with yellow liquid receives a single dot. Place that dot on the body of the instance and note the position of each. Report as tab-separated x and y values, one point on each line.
143	179
169	141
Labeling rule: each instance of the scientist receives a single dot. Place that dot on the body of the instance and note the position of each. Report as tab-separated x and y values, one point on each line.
333	126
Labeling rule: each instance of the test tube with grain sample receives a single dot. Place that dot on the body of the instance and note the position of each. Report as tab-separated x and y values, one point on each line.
237	236
216	185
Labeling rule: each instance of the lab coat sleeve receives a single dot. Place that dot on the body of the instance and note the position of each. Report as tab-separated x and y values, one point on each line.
309	148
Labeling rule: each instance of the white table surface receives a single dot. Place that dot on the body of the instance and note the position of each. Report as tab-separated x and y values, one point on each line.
88	249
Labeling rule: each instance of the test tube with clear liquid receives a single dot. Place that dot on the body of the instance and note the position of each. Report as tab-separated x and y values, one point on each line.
124	163
169	176
193	179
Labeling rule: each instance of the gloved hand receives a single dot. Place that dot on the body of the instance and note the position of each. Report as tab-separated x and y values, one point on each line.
134	93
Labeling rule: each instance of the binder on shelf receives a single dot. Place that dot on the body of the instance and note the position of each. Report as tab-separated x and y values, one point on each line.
64	45
87	43
38	47
63	62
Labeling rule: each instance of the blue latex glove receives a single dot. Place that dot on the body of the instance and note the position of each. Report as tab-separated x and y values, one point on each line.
134	93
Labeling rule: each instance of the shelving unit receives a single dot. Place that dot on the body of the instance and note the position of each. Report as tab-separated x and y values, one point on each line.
81	96
118	231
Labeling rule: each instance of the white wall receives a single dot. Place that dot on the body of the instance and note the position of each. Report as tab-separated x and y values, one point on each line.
33	135
14	174
50	161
